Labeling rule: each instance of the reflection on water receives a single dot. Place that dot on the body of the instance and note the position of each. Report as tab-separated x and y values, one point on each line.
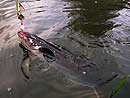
98	30
90	17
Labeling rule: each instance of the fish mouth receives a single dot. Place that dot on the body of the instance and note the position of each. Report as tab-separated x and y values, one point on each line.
48	54
24	38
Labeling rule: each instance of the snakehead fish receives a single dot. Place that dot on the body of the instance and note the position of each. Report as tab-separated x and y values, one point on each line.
80	68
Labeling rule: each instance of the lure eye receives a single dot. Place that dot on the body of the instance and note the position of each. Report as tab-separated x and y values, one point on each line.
48	54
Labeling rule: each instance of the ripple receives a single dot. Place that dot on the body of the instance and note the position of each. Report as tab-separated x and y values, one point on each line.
99	30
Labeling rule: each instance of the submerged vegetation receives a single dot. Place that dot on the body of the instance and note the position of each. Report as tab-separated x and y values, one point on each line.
119	85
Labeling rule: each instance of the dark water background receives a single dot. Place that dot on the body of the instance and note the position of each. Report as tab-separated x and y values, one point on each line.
98	30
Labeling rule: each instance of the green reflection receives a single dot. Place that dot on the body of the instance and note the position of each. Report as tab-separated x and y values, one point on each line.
89	17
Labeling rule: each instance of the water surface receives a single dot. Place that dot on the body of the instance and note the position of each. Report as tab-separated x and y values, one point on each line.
98	30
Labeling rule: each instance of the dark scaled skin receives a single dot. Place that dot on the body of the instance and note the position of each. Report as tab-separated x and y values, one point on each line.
79	68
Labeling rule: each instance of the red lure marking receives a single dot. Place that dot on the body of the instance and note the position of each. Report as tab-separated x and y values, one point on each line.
22	35
22	31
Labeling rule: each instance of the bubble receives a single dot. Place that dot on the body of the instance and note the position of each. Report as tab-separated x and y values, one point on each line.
95	2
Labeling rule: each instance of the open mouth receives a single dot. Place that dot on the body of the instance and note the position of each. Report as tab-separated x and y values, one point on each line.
29	44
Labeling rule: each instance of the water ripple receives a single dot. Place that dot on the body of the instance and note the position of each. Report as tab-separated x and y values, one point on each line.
98	30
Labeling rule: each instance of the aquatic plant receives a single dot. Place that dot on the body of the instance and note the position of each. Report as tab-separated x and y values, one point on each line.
119	85
17	6
19	9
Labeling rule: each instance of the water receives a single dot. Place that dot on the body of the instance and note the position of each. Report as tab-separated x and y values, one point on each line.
97	29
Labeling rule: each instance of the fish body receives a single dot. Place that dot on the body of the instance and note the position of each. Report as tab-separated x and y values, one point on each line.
79	68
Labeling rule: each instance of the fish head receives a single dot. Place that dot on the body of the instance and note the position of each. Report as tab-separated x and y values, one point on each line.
28	40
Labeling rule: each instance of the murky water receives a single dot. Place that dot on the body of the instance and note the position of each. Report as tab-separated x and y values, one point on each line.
98	30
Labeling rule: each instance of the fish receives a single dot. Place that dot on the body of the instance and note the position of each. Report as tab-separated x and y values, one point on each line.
80	69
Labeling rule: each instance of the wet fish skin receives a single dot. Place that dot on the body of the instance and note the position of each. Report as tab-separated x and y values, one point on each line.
79	68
